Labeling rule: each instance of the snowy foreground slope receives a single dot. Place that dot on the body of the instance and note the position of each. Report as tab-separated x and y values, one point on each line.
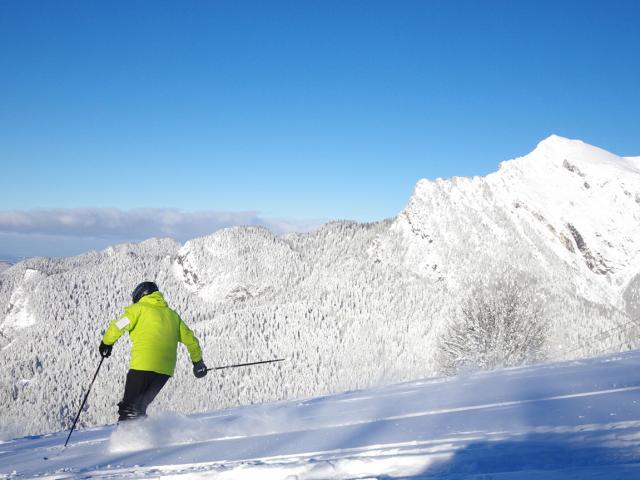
572	420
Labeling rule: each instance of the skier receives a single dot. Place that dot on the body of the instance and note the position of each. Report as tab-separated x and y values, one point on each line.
155	331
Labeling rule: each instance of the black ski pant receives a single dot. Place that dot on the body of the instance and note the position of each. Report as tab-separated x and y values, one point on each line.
140	389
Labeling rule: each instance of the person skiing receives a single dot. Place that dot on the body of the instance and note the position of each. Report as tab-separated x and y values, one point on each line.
155	330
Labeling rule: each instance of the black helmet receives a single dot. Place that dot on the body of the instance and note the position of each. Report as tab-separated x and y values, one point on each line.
145	288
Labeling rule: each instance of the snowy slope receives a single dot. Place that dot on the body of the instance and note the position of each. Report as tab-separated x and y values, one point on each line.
353	305
573	420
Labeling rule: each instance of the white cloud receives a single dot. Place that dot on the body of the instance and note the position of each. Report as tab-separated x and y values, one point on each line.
136	224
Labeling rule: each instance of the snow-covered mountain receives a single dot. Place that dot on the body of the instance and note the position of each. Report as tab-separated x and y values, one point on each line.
569	202
350	305
573	420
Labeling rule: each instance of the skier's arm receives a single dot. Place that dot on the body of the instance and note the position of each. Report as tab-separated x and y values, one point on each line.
117	327
191	342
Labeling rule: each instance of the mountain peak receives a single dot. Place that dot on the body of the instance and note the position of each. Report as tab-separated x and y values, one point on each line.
560	149
556	145
554	140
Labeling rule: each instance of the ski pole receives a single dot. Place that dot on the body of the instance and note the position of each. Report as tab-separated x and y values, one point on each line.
84	401
247	364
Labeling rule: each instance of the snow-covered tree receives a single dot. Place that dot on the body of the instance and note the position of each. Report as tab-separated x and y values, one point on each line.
502	323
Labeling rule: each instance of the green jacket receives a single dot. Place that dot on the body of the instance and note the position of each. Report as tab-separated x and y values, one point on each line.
155	331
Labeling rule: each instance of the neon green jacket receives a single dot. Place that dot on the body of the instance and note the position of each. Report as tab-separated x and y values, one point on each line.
155	331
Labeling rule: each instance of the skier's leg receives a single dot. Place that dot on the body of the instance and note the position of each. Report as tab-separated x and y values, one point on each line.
155	382
133	390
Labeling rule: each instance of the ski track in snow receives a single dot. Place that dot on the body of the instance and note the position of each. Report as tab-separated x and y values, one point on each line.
572	420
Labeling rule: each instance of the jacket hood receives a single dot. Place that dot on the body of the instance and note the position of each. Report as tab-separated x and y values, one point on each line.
156	299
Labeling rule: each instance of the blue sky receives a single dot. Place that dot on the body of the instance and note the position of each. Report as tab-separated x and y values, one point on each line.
289	112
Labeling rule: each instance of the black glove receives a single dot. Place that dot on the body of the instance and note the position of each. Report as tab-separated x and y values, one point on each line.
105	350
199	369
